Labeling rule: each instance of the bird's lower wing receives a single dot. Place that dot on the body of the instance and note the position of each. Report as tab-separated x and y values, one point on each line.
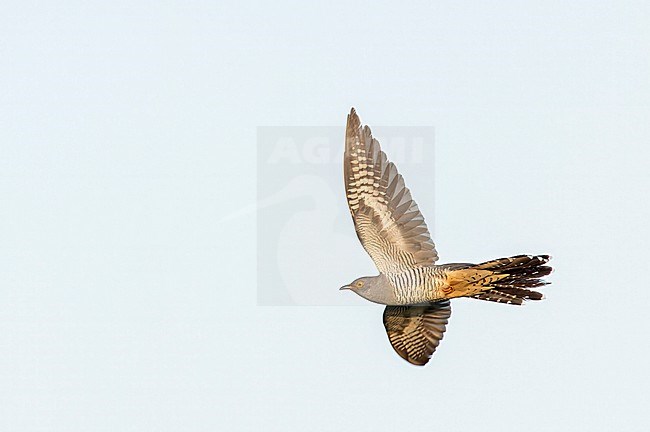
416	331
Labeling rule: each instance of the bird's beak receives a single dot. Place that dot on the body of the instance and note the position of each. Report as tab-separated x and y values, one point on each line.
344	287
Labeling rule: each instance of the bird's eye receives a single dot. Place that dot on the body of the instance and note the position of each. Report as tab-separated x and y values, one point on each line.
359	284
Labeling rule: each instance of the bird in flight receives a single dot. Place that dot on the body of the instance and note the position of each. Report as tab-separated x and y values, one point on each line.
415	290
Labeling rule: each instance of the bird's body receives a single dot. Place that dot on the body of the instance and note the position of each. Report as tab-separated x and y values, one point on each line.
413	286
427	284
393	232
418	285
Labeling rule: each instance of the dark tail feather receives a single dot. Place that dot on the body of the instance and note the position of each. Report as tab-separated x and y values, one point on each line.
519	273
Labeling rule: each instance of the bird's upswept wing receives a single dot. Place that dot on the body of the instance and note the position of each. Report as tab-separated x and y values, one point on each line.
415	331
387	220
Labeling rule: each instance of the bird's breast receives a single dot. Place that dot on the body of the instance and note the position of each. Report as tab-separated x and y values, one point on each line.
416	285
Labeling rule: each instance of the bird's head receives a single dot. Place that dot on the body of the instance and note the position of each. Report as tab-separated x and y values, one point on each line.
374	288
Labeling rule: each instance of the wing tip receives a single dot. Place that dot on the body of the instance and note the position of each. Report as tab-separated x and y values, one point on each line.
415	361
418	362
354	123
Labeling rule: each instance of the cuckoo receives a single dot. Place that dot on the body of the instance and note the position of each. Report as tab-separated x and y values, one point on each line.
415	290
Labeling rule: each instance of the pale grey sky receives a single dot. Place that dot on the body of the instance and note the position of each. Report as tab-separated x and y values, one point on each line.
129	130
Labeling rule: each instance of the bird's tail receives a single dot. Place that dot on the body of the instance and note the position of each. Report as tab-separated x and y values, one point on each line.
505	280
